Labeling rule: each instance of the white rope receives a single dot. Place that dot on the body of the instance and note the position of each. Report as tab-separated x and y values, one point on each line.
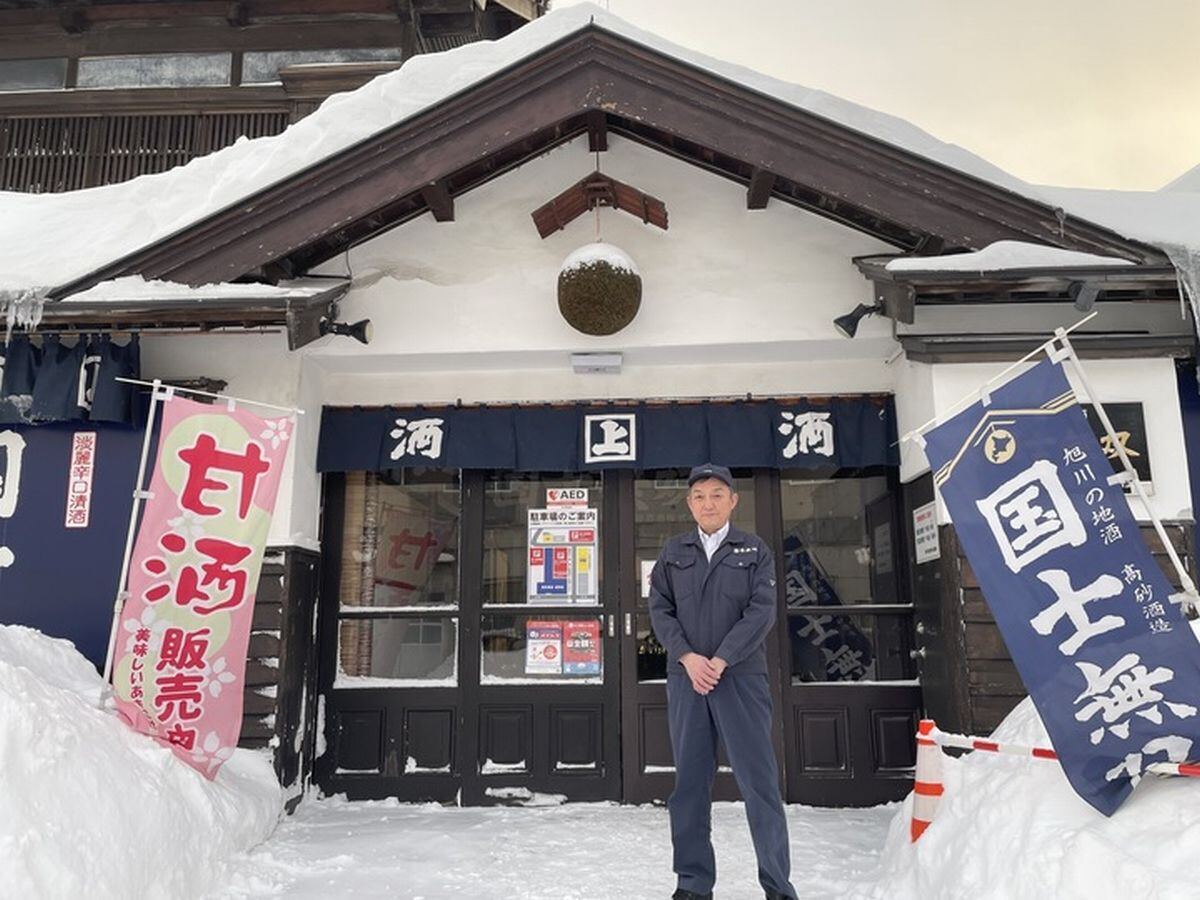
1188	598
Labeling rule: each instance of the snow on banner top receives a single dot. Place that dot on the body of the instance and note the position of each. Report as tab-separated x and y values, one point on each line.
52	239
1004	255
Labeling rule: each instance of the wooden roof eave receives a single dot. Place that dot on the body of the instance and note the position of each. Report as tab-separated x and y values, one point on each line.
932	283
973	348
299	314
597	70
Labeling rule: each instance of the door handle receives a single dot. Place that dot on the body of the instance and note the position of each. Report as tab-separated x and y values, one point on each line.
628	624
612	625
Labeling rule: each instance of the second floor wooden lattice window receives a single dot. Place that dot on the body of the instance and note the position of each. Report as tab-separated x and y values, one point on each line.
63	153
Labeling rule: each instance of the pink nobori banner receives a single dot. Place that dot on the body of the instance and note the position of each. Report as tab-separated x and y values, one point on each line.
181	646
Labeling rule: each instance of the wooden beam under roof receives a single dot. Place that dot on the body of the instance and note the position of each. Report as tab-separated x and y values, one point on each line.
758	192
238	15
437	197
597	123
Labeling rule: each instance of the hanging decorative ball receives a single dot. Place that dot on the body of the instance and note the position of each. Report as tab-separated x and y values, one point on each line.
599	289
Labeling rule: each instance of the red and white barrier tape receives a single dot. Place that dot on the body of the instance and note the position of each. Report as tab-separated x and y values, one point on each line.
965	742
1191	770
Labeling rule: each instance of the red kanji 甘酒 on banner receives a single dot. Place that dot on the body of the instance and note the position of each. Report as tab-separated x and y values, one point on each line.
180	657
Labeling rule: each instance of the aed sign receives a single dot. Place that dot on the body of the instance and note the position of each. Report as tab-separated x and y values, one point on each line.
566	497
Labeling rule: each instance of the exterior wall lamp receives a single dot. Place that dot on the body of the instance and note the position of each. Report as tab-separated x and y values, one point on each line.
847	325
360	330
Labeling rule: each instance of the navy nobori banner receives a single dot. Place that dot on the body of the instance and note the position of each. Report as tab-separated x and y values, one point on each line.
1110	662
65	494
842	432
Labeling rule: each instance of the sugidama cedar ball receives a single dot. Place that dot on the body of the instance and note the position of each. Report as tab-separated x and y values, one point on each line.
599	289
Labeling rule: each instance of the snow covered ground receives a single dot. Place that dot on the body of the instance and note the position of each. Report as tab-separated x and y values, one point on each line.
89	808
332	848
1011	828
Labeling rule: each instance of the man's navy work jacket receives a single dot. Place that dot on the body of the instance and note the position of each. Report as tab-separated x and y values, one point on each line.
721	608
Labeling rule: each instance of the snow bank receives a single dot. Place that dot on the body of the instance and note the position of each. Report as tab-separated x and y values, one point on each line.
1013	828
90	809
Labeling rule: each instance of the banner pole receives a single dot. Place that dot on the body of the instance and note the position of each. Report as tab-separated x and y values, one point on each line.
139	495
186	390
1189	587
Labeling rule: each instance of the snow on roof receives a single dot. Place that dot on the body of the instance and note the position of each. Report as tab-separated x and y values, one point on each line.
135	289
52	239
1168	219
1155	217
1188	181
1002	256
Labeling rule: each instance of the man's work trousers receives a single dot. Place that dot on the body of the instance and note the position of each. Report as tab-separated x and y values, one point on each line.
738	711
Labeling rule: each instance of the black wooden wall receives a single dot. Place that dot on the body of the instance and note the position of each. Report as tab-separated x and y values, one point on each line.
967	675
280	704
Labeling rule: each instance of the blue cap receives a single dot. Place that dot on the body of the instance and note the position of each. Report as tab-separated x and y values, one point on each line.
708	470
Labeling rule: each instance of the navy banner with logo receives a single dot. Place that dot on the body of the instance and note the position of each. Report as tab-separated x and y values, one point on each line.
65	494
825	647
843	432
1108	659
57	382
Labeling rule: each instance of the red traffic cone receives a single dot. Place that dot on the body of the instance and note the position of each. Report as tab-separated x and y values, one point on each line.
927	791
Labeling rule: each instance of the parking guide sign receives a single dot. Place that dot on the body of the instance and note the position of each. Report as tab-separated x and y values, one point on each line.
562	556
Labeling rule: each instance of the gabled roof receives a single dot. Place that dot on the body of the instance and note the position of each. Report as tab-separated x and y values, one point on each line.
366	161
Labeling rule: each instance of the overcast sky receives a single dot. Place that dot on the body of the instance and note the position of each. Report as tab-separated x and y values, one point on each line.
1083	93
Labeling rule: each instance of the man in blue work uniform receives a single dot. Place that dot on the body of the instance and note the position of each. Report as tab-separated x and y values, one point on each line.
712	603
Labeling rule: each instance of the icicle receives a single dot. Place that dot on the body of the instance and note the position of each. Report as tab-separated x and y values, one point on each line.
1186	261
22	309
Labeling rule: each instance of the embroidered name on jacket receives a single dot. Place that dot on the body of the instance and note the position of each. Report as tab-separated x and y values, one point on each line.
745	549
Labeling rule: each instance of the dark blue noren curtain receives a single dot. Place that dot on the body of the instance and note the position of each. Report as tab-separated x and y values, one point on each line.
60	383
843	432
113	401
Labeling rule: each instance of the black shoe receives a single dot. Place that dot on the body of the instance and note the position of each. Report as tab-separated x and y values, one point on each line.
681	894
775	895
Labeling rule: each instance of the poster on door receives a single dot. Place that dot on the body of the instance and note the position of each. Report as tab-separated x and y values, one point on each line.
412	537
562	556
543	648
581	647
